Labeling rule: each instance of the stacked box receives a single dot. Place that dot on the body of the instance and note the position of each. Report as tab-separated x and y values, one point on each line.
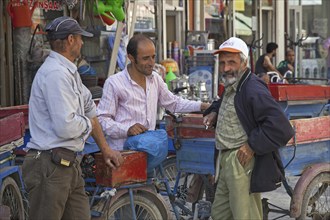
133	170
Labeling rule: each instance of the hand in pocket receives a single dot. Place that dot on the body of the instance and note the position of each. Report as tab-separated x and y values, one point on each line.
245	154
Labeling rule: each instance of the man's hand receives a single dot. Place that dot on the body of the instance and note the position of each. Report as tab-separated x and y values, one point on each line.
245	154
136	129
112	158
205	106
210	120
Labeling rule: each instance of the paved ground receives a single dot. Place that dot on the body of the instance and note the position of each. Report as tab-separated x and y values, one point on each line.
279	198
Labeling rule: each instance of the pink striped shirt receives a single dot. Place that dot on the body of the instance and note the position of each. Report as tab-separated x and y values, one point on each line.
125	103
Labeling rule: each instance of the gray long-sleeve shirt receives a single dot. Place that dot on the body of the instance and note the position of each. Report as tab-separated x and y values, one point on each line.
60	106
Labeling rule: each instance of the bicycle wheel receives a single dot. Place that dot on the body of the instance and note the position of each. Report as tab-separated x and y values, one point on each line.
145	208
316	200
170	171
10	195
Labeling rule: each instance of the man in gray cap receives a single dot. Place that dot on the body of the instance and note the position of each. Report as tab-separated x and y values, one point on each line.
62	115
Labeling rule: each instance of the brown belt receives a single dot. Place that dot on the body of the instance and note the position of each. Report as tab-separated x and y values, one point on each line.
229	149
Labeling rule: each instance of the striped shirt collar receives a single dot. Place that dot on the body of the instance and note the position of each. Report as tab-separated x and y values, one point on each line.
128	76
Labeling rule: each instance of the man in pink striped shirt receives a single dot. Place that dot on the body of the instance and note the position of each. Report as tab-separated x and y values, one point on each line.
130	98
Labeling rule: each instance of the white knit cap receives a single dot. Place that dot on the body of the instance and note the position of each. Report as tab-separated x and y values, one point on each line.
234	45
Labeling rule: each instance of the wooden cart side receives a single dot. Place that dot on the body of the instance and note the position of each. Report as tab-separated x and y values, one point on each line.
12	128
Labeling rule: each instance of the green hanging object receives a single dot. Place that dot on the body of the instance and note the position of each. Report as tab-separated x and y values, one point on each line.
169	77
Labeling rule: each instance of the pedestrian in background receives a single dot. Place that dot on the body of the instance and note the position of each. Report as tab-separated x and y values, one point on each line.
286	66
250	127
62	115
264	62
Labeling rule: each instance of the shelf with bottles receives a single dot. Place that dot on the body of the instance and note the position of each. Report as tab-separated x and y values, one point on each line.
310	48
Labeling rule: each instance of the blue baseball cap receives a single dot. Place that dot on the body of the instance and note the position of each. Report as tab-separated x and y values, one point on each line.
61	27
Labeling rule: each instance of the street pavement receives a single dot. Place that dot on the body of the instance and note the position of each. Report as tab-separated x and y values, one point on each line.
281	199
277	198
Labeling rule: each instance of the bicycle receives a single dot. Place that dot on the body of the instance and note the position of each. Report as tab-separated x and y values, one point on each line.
179	171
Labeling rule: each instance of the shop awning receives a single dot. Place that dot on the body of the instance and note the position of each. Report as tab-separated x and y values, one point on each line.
243	24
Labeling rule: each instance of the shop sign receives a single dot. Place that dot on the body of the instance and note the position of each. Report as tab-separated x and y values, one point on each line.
51	5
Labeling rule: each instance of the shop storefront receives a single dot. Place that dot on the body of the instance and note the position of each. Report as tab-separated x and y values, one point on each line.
301	24
180	27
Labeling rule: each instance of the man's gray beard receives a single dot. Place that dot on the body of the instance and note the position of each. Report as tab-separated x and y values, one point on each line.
232	80
229	81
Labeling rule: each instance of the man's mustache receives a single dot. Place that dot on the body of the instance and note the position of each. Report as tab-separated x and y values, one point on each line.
227	74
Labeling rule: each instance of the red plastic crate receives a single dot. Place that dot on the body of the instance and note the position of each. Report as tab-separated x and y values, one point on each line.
133	170
287	92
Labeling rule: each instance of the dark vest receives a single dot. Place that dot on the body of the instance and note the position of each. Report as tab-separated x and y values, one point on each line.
259	68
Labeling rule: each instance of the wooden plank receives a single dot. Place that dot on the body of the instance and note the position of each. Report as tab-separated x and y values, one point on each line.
6	111
12	128
311	130
307	130
287	92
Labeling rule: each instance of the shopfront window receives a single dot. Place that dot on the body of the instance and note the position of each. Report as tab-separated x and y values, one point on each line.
315	50
215	13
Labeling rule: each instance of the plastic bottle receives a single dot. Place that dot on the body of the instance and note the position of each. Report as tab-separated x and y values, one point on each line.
169	77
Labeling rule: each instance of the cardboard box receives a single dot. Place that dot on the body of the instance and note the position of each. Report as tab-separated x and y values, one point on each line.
133	170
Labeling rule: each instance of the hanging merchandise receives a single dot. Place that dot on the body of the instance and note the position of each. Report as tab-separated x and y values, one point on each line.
21	12
110	10
70	3
169	77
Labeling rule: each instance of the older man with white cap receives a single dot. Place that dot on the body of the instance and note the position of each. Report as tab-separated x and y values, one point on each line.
62	115
250	127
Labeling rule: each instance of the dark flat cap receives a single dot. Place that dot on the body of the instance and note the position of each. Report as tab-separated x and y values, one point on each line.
61	27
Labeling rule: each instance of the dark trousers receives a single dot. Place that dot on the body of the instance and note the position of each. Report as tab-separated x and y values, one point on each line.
55	192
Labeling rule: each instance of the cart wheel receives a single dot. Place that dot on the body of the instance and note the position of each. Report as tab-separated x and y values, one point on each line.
146	207
316	202
170	171
10	195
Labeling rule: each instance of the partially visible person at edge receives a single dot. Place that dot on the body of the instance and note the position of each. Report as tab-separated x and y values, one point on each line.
326	46
62	115
286	66
250	127
264	63
130	98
